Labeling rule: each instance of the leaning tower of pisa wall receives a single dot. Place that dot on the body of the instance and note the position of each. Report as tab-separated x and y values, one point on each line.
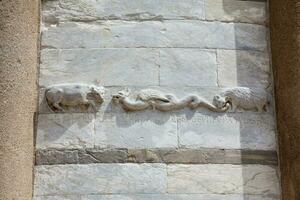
159	54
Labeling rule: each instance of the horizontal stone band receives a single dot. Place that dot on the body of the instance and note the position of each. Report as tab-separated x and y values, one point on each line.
168	156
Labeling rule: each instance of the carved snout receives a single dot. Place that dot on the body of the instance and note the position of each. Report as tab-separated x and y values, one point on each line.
116	98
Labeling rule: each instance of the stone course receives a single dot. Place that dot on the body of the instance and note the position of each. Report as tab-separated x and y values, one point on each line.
97	66
222	179
169	156
82	10
65	131
160	197
136	130
229	131
157	130
159	34
150	67
155	179
230	10
100	178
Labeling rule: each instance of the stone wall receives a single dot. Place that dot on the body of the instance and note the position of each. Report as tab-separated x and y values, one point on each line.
178	47
19	31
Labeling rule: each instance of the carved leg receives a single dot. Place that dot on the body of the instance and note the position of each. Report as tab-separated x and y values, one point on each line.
58	107
265	107
260	108
93	105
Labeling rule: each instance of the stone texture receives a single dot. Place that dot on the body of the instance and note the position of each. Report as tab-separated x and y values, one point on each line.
237	11
65	131
285	45
107	67
243	68
223	179
187	67
85	10
102	156
174	33
160	197
135	130
55	156
229	131
100	179
250	157
184	156
19	33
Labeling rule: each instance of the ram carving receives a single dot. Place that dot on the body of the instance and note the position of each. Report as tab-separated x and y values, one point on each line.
243	97
80	97
154	99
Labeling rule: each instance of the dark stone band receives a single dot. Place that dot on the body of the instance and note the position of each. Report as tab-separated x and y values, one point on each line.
168	156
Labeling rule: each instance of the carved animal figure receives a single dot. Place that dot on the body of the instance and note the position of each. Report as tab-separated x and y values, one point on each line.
60	97
243	97
128	103
152	95
155	99
195	102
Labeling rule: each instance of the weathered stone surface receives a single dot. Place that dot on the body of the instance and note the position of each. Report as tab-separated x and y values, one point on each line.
61	197
85	10
187	67
102	156
229	131
100	179
55	156
107	67
161	197
144	156
236	10
19	41
171	33
184	156
223	179
285	45
243	68
65	131
136	130
250	157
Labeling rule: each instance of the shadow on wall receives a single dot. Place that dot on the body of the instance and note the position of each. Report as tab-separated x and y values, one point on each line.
253	70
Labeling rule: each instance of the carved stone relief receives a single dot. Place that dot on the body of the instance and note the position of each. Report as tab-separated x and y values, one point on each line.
66	97
81	97
157	100
242	97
